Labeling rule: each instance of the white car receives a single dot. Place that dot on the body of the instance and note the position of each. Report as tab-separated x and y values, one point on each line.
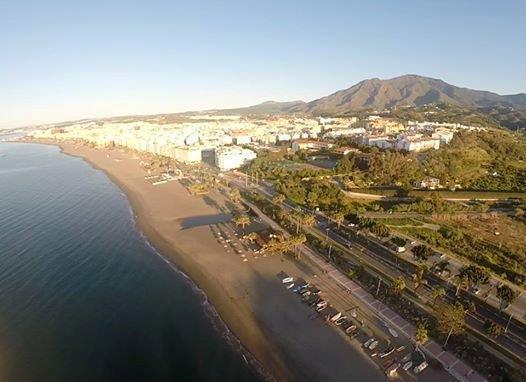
373	345
368	342
420	367
287	280
407	365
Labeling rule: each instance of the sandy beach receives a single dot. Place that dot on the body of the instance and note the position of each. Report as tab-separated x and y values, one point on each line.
271	322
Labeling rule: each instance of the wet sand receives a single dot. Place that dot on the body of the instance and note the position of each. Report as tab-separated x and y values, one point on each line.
271	322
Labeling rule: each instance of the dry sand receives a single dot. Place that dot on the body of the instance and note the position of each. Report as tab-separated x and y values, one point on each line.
270	321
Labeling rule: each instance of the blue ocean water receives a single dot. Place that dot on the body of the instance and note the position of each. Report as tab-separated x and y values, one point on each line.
83	297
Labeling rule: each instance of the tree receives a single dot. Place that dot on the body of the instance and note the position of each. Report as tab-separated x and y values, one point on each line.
421	335
438	292
462	281
398	285
419	277
277	245
278	199
506	296
234	195
475	275
252	236
422	252
338	217
493	329
309	220
441	266
451	319
241	220
295	241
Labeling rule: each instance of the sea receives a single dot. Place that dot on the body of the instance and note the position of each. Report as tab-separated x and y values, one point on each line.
83	296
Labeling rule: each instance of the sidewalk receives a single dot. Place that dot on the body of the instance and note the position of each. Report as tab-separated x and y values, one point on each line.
449	361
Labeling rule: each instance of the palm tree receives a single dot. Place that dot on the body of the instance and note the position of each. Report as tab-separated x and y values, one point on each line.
338	217
398	285
421	335
438	292
252	237
297	217
278	199
278	244
506	295
419	278
234	195
242	220
308	220
296	241
462	281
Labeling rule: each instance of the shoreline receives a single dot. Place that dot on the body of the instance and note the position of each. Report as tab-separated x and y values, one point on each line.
255	330
160	246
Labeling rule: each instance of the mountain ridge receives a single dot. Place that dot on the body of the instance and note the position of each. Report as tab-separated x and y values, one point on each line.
406	90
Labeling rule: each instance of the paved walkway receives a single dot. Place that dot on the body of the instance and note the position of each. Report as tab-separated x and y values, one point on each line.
449	361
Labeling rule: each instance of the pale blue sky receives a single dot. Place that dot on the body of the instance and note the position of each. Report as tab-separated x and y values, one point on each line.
64	60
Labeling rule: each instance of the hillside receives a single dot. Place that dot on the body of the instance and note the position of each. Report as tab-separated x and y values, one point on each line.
409	90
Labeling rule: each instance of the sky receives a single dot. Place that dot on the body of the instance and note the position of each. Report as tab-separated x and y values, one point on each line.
65	60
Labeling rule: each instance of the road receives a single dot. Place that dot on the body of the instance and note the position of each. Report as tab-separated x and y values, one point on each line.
372	253
348	295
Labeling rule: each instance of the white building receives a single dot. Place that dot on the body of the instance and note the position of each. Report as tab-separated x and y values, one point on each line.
231	157
345	132
444	135
187	155
410	143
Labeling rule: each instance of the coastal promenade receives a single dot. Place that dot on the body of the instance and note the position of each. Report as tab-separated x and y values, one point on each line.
458	369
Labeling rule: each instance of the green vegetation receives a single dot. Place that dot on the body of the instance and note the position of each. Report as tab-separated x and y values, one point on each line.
492	160
398	285
499	259
451	318
422	252
241	219
373	226
506	295
474	275
421	336
493	329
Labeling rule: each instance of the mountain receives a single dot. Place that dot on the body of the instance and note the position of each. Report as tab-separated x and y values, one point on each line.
408	90
377	94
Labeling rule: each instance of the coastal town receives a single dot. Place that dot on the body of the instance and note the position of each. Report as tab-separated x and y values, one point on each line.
292	186
203	136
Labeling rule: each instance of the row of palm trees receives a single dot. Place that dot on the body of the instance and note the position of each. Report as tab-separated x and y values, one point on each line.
281	244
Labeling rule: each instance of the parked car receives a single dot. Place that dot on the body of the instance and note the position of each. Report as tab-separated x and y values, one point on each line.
420	368
320	308
368	342
407	365
350	328
406	357
400	348
321	303
387	352
373	345
287	280
340	320
289	286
